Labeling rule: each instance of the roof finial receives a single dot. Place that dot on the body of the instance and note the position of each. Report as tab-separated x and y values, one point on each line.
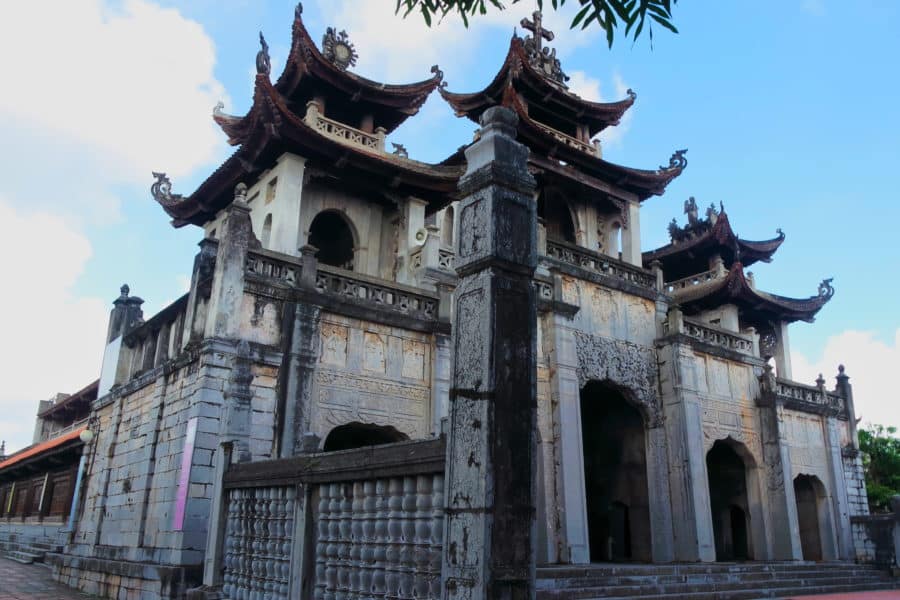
161	190
337	49
263	63
676	161
298	11
825	289
124	290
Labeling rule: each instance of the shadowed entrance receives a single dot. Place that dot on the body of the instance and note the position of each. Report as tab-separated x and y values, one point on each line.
615	473
728	502
810	494
357	435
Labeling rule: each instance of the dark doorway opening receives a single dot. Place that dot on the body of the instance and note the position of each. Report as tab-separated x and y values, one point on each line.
331	234
806	491
615	474
728	502
552	208
357	435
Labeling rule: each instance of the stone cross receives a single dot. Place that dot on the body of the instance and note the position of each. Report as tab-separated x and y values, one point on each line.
491	472
537	29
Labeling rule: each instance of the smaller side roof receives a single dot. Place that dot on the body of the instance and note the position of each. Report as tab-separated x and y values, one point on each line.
78	401
693	245
38	450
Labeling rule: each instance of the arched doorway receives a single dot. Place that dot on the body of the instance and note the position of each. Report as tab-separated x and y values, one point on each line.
552	208
331	234
615	476
358	435
810	495
730	508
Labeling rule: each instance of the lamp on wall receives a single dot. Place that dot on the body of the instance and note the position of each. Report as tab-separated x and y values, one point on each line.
86	436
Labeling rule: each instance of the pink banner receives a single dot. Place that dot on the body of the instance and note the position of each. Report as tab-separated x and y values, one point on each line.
184	478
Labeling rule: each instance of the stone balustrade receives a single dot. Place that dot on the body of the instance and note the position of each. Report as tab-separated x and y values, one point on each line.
673	287
600	263
718	337
273	265
376	516
342	132
369	290
446	258
259	527
572	142
809	397
380	538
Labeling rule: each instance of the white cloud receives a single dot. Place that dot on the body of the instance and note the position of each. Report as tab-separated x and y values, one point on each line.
134	84
591	89
871	364
54	340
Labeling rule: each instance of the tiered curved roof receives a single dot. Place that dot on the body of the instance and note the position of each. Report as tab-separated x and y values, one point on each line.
554	150
275	125
529	81
755	306
691	256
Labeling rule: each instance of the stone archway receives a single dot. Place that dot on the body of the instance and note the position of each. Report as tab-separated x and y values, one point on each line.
332	234
729	499
358	435
615	475
811	515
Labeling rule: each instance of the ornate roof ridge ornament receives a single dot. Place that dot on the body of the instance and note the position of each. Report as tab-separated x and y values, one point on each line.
298	10
825	288
338	50
161	190
439	76
676	161
540	57
263	62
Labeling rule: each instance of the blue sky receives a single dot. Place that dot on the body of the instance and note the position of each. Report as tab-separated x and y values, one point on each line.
789	112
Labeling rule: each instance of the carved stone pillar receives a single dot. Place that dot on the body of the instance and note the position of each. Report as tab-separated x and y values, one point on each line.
631	235
489	544
784	528
571	501
691	517
782	351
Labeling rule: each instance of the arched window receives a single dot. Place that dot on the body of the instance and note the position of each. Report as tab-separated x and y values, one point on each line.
447	227
267	231
552	208
331	234
358	435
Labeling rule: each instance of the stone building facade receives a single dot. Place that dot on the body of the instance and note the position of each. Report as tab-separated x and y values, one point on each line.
233	429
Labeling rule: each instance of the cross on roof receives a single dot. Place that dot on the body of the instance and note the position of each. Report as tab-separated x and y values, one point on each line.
537	29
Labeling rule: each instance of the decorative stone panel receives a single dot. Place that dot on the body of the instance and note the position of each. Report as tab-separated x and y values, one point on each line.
624	364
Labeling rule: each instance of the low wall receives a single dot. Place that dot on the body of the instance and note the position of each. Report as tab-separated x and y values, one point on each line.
49	533
121	579
351	524
873	539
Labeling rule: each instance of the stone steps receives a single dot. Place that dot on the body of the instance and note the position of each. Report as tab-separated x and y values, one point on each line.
726	581
26	551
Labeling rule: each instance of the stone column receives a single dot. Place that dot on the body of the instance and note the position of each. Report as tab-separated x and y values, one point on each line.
285	208
489	543
784	527
631	235
559	344
838	490
691	514
224	316
782	351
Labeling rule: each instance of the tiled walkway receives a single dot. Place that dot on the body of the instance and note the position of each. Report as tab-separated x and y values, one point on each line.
32	582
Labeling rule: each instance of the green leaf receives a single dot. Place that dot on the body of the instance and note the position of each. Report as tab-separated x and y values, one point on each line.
664	23
579	16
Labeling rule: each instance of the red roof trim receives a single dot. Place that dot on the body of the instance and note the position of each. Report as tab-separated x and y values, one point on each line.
40	448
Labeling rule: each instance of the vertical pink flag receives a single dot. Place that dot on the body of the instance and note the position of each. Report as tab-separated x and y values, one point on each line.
184	478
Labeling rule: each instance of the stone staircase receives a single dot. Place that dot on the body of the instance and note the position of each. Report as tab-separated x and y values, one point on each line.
719	581
26	551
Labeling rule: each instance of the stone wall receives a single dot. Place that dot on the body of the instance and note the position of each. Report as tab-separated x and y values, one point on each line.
873	539
805	434
855	479
372	373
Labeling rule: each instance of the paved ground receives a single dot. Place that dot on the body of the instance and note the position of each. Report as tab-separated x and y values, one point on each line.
32	582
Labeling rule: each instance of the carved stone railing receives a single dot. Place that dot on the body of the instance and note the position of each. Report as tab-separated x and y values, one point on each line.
446	258
673	287
342	132
274	265
378	525
259	527
600	263
376	292
809	398
718	337
570	141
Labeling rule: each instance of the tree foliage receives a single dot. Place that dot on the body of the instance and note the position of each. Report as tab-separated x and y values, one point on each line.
881	461
609	15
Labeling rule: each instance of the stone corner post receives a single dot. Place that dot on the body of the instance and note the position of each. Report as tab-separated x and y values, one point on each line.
489	548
